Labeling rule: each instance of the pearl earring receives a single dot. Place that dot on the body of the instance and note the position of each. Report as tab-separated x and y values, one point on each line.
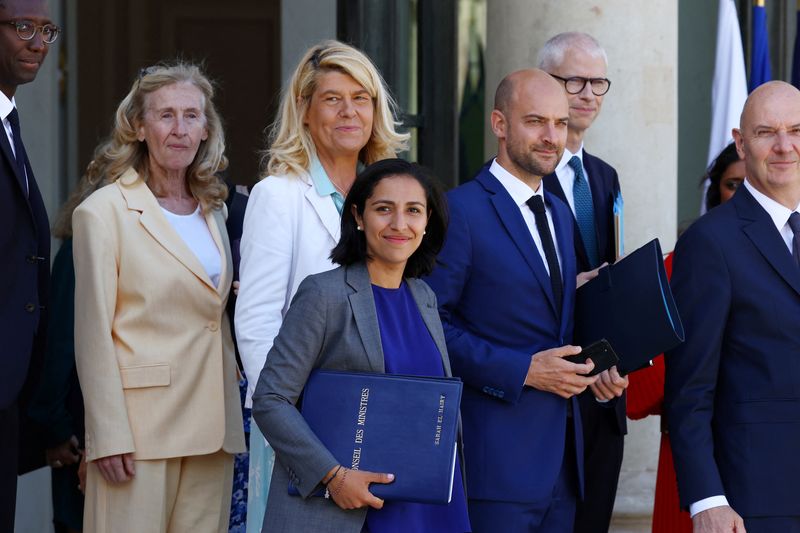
359	228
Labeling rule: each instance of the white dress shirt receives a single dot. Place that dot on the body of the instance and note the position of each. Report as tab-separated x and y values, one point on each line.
520	192
777	212
566	176
6	106
780	217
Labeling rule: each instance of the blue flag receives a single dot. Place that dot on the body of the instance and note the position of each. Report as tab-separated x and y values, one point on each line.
760	71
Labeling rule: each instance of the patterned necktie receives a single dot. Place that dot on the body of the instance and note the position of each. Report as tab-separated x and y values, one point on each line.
794	223
537	206
584	211
19	149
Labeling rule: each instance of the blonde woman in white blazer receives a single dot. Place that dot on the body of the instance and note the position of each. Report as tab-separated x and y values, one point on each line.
335	115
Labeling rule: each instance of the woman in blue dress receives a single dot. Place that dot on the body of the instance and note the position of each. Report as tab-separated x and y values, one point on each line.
393	225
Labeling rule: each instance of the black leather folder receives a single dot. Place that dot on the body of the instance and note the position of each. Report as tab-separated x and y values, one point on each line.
630	304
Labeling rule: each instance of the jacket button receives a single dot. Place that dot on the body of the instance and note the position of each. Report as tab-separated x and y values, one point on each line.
31	259
29	307
213	326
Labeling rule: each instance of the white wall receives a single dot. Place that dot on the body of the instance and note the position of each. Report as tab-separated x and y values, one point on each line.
304	23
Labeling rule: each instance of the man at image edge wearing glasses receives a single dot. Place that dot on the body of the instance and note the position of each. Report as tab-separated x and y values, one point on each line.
25	34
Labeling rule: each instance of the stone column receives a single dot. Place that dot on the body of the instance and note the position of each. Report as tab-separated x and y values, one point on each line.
300	30
636	132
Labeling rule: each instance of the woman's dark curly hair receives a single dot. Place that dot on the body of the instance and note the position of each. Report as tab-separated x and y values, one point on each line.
352	246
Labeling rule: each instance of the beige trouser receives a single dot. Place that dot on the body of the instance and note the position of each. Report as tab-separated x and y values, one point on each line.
184	494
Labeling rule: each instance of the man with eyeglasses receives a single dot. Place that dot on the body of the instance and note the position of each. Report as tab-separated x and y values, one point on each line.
25	34
591	189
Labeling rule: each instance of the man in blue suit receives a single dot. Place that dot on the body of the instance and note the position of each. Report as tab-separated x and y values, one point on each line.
505	283
733	388
24	235
590	187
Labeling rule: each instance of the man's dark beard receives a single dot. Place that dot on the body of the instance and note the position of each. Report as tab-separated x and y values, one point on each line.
524	159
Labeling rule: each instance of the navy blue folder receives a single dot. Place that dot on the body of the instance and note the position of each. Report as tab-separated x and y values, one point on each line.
404	425
630	304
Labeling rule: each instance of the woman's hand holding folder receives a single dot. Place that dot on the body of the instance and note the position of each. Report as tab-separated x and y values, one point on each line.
350	488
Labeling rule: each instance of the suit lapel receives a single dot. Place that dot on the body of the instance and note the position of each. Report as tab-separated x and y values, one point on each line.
139	198
5	146
517	230
215	221
761	231
362	303
30	192
430	316
562	219
553	186
326	212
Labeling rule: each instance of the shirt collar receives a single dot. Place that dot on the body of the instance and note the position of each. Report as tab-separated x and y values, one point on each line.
567	156
322	183
520	191
777	212
6	105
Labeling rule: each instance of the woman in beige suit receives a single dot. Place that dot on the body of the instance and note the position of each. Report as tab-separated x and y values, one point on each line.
152	341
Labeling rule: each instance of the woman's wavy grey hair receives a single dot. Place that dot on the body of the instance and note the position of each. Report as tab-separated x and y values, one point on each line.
123	149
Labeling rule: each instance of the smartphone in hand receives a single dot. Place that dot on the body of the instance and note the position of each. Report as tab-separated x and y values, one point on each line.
601	353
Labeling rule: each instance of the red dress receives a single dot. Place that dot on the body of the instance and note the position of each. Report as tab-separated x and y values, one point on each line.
646	397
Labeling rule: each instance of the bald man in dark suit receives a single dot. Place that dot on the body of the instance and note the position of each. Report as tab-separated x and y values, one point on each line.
733	388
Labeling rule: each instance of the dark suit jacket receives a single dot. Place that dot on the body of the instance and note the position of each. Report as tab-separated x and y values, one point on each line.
733	388
331	324
24	274
57	405
497	309
604	183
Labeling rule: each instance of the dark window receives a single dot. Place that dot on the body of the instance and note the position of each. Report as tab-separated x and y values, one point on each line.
413	44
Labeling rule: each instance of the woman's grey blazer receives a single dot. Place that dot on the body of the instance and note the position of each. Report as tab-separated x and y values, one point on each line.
331	324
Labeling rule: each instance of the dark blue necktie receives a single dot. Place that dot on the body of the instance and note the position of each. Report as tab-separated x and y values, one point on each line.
537	206
794	223
584	211
19	149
